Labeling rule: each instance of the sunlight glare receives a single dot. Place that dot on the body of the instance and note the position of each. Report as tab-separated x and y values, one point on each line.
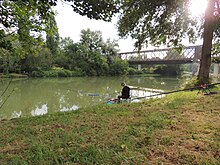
197	7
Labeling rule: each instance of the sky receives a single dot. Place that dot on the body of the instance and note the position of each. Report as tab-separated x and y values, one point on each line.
70	25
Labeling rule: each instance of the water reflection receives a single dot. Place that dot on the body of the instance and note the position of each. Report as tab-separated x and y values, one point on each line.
64	109
42	96
16	114
40	110
139	92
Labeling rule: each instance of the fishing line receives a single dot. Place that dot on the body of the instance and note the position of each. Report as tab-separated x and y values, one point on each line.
7	98
6	88
180	90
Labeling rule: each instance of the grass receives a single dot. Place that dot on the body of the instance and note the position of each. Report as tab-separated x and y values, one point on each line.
182	128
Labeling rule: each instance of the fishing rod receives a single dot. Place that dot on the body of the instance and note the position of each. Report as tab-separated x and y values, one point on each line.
6	88
158	94
7	98
205	86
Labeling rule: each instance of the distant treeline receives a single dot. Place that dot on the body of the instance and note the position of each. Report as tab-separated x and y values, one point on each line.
61	57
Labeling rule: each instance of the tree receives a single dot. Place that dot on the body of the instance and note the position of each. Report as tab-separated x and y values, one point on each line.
28	19
158	22
25	21
155	22
53	39
102	9
168	22
91	55
211	25
32	15
87	53
110	50
65	42
91	39
118	67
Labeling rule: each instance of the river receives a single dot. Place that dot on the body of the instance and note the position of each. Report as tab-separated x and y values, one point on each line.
32	97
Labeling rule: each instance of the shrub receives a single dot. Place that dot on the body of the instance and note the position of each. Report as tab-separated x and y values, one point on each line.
61	73
191	83
118	67
132	71
57	72
38	73
50	73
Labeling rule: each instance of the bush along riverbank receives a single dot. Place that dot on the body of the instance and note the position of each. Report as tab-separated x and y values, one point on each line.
181	128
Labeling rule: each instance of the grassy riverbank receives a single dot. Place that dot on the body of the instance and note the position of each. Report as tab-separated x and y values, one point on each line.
182	128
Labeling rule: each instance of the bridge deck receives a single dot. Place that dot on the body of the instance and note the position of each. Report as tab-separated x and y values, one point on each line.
188	54
163	56
184	61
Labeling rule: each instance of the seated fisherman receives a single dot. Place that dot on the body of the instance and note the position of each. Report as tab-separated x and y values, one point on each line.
125	93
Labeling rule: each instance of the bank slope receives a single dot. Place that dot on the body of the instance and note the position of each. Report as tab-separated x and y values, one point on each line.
181	128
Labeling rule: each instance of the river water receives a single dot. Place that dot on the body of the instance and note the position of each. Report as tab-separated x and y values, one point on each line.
32	97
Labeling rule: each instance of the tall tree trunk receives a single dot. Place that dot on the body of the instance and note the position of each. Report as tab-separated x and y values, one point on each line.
205	63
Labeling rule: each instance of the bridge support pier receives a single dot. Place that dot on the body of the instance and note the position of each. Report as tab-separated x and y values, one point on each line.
195	68
216	70
139	66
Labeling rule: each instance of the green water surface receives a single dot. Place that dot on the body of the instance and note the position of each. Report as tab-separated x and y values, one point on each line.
33	97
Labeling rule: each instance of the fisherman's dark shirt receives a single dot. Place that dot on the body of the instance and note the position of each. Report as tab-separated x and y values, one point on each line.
125	92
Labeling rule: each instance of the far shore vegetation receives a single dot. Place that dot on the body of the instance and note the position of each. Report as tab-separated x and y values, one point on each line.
62	57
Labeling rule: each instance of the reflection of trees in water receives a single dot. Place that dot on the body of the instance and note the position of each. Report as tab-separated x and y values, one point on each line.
40	110
33	93
163	83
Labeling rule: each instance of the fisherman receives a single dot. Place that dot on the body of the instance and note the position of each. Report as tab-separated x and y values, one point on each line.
125	93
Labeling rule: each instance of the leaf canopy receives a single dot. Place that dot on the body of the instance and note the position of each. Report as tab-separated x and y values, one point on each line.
161	22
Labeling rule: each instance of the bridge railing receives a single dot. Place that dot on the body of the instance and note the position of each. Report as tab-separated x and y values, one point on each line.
189	53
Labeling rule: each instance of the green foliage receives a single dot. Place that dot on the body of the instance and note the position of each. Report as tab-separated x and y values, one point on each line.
118	67
56	73
91	62
6	50
171	69
52	39
92	55
26	52
216	52
37	73
167	22
133	71
193	82
5	42
89	57
24	22
41	60
164	22
92	40
25	15
104	9
4	61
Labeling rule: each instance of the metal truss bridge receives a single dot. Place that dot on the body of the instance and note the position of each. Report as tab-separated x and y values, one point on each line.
188	54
